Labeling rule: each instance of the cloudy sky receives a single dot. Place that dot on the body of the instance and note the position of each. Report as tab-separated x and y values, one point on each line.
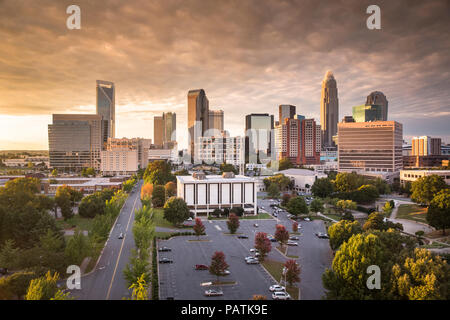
248	55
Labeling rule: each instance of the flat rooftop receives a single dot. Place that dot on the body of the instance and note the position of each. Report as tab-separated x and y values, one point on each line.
214	179
299	172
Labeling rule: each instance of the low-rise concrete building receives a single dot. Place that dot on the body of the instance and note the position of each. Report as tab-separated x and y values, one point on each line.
205	193
413	175
303	179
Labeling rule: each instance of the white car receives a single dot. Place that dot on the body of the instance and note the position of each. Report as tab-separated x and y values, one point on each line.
307	219
212	293
253	250
281	295
252	261
277	287
292	243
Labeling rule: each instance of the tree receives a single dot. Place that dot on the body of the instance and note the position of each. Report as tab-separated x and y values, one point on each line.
227	167
143	231
281	234
297	205
342	231
176	210
423	276
158	172
345	206
15	286
316	206
273	191
54	172
158	196
90	171
366	194
78	247
239	211
259	297
262	244
182	172
285	199
139	288
60	295
43	288
217	212
233	223
8	255
425	188
171	189
146	191
218	264
322	188
128	185
63	200
91	206
138	267
346	182
387	209
438	214
199	228
280	179
284	164
376	222
295	227
292	272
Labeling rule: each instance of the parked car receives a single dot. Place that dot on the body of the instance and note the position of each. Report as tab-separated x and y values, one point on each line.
255	225
271	238
252	261
243	236
253	250
321	235
226	273
277	287
164	249
213	293
201	267
307	219
292	243
165	260
121	235
294	238
281	295
275	214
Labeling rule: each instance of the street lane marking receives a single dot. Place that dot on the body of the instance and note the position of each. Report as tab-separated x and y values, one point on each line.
120	251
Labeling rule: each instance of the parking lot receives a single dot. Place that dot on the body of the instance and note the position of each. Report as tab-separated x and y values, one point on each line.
179	280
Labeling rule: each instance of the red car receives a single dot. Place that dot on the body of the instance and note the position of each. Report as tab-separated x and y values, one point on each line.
201	267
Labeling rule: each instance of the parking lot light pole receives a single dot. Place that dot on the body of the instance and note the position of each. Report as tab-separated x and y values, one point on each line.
284	274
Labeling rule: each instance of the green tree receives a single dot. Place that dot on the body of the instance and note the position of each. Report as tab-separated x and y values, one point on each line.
158	196
8	255
438	214
387	209
423	276
43	288
297	205
171	189
273	191
341	231
78	247
227	167
346	182
63	200
316	205
284	164
16	285
92	205
60	295
233	223
138	267
344	206
176	210
158	172
54	172
322	188
143	231
367	193
425	188
280	179
182	172
285	199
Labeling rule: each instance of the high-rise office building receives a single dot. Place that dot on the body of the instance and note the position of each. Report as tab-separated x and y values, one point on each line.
158	131
370	146
311	142
75	141
378	98
169	129
425	146
216	120
258	137
329	109
366	113
285	111
106	108
198	118
222	149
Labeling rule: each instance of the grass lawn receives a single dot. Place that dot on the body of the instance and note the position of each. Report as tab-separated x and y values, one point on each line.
275	268
76	221
162	234
249	217
412	212
436	234
283	251
333	216
158	217
293	292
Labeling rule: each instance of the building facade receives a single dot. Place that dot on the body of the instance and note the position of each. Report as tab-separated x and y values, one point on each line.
259	138
413	175
198	118
203	194
302	179
370	146
378	98
286	111
220	150
367	113
106	108
425	146
329	109
216	121
169	129
75	141
158	131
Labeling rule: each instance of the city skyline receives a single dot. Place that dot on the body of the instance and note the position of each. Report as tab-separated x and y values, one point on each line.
247	75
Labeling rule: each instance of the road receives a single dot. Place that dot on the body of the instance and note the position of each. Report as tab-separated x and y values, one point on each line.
106	282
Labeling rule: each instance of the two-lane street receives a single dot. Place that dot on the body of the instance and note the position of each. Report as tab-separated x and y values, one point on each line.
106	282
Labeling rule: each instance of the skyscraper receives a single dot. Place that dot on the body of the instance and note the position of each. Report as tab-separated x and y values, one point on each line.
258	137
329	109
425	146
158	131
285	111
379	98
169	129
106	108
75	141
198	118
216	120
366	113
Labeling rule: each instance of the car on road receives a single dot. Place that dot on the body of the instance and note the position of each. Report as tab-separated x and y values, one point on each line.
252	261
292	243
275	214
294	238
277	287
322	235
307	219
201	267
255	225
121	235
165	260
253	250
281	295
226	273
242	236
164	249
213	293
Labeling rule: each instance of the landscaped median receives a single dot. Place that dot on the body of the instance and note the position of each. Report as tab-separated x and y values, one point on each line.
412	212
275	269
